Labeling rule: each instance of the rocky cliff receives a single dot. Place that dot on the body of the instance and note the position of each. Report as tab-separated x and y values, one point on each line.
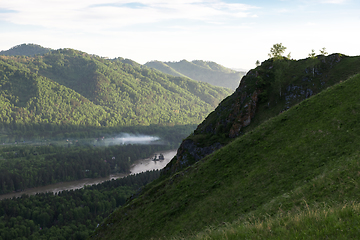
264	92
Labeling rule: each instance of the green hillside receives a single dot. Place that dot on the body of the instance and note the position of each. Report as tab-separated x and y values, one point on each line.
204	71
302	159
163	67
69	90
263	93
25	50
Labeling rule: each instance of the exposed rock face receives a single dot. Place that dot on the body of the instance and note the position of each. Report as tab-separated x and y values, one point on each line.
237	115
189	153
238	110
242	115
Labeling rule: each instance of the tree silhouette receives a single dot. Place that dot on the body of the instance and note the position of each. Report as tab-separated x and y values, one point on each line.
277	51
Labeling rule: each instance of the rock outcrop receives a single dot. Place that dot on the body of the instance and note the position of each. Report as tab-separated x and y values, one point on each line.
256	97
237	115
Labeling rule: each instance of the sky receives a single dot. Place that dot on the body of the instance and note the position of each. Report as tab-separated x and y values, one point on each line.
232	33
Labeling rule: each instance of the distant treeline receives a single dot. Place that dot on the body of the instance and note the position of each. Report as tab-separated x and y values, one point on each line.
69	214
11	133
26	50
23	167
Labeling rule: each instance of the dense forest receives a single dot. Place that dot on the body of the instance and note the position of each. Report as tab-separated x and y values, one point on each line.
67	90
23	167
24	49
204	71
67	94
61	112
67	214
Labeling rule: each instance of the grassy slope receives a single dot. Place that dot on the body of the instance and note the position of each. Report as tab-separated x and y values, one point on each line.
299	73
221	125
306	154
321	222
221	120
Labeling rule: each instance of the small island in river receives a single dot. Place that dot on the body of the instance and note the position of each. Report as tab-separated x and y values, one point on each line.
161	157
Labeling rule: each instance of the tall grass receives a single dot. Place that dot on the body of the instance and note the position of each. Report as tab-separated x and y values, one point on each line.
316	222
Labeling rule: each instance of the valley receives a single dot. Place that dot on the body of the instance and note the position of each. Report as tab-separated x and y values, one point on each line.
281	146
74	125
139	166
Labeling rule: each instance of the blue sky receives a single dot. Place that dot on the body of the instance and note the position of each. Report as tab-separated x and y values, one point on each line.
232	33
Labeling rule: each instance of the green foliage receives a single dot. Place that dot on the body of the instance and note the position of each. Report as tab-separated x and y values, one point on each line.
28	166
307	155
277	51
293	79
281	67
67	214
312	54
339	222
26	50
68	91
323	51
163	67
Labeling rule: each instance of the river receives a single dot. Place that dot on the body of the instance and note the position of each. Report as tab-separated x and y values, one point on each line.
141	165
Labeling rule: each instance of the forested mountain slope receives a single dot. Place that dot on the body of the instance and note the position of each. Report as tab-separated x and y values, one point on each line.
263	93
305	156
67	89
25	50
69	214
204	71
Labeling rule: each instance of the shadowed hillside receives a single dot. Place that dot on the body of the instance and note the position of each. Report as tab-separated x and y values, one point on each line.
263	93
306	156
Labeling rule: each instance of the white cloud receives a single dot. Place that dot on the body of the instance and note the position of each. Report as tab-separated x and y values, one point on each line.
93	15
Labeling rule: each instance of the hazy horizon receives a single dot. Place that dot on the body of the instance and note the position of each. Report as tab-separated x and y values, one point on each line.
232	33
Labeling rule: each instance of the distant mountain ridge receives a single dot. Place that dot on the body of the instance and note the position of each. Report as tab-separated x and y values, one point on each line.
29	49
198	70
204	71
70	89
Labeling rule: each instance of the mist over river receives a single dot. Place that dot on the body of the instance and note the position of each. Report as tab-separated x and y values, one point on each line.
141	165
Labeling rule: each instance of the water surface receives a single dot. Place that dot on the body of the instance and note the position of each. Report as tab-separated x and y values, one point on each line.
141	165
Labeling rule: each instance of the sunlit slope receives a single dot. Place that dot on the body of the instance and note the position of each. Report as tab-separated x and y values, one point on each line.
163	67
28	98
204	71
309	153
111	92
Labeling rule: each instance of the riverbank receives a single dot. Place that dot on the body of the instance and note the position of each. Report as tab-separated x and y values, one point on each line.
141	165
